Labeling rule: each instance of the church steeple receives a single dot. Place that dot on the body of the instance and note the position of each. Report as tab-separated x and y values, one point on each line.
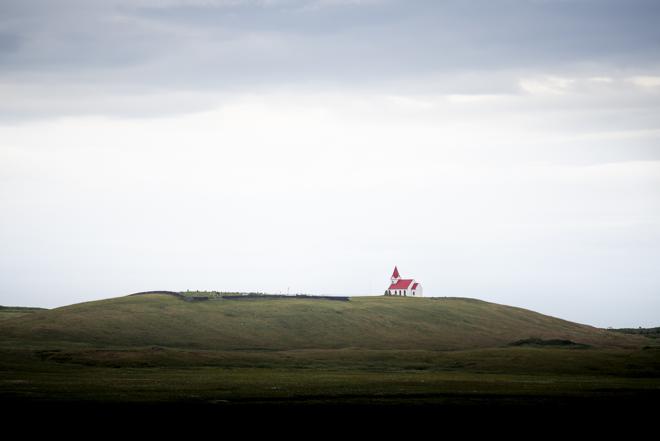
395	275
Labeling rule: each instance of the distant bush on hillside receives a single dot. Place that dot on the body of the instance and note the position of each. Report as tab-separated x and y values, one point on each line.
647	332
537	342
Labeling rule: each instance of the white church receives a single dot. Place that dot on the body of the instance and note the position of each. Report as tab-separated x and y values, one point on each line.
403	287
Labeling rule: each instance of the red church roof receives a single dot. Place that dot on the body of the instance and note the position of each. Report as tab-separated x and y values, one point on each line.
401	284
395	274
415	285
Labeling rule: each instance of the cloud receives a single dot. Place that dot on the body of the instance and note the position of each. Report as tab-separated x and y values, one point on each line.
647	81
147	143
237	45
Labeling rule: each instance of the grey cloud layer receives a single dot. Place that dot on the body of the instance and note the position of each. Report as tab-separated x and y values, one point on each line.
225	44
162	57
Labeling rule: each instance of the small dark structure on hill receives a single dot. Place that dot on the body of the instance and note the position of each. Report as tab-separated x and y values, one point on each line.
240	296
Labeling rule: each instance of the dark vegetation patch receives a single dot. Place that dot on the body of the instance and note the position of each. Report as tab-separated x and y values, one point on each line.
538	342
462	299
199	296
281	296
551	363
646	332
169	293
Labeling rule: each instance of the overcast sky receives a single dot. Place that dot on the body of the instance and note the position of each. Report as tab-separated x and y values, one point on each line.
507	150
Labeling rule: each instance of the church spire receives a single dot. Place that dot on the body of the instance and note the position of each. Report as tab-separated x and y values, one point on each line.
395	274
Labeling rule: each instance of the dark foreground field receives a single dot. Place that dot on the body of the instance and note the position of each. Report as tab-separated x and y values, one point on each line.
236	356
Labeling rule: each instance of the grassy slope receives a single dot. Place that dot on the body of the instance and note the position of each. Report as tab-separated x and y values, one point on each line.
364	322
159	349
9	312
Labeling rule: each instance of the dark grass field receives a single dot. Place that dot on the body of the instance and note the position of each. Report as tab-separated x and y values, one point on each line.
303	356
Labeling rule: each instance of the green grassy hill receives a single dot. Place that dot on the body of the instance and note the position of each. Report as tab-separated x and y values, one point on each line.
9	312
289	324
170	348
